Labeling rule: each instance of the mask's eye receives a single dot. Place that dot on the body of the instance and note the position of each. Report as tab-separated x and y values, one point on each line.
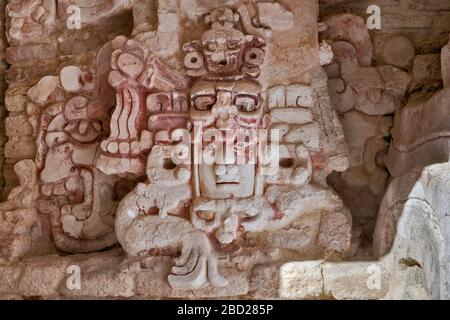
212	46
232	44
286	163
204	102
246	103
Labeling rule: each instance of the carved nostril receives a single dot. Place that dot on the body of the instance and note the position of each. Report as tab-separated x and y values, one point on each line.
223	62
168	164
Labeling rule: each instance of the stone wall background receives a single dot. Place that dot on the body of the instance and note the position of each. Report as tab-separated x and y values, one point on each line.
425	22
411	38
3	67
29	60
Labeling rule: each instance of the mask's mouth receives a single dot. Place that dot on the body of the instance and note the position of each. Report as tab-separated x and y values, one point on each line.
227	183
227	174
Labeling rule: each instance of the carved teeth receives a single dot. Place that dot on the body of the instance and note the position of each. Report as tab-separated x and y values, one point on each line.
135	147
113	147
124	147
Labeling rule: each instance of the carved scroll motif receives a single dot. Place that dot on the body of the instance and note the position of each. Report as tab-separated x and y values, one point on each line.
136	74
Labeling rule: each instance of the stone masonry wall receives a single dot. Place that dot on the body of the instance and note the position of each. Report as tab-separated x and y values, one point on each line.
3	67
410	40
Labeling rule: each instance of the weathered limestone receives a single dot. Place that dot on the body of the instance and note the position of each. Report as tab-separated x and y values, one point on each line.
364	96
428	142
426	71
425	24
413	210
3	67
189	149
445	65
61	114
340	281
301	280
225	97
374	91
394	50
18	215
410	240
421	132
418	130
275	17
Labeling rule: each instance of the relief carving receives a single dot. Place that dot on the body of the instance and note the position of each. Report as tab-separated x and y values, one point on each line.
18	215
77	196
30	20
181	149
135	74
188	156
222	186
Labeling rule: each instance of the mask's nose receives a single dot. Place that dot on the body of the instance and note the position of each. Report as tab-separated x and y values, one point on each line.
220	57
224	109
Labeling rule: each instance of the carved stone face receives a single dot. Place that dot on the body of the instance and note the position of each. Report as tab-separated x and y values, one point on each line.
230	113
223	50
223	45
